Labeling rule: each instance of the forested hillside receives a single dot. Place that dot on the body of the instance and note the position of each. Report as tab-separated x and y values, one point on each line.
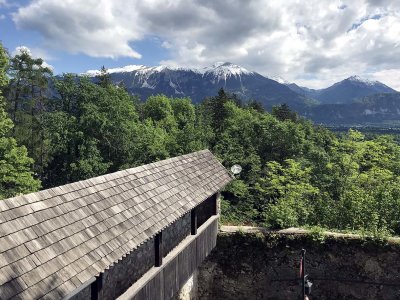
294	173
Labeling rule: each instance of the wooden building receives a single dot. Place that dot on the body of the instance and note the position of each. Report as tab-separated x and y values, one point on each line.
137	233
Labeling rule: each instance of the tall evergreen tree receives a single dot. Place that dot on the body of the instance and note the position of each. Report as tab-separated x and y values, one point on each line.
104	77
282	112
27	101
15	174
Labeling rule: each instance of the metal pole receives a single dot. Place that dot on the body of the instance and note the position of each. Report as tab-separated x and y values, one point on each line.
303	257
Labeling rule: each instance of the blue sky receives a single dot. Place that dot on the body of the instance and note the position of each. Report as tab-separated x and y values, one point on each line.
313	44
64	61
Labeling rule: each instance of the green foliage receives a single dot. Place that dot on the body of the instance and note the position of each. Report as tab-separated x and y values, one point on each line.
173	127
317	234
294	173
27	95
93	130
297	174
215	113
282	112
16	176
287	194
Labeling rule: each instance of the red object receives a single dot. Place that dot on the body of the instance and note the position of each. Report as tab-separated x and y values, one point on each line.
301	267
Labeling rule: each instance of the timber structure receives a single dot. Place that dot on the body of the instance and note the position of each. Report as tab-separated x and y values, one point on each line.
135	234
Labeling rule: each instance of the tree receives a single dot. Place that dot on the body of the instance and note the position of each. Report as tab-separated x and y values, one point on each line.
175	126
287	194
27	102
93	130
190	135
104	77
215	108
16	176
256	105
282	112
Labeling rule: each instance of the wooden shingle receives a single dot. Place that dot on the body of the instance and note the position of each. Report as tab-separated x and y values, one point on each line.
54	240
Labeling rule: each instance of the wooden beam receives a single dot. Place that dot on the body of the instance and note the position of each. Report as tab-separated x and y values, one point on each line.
158	247
215	199
193	221
96	287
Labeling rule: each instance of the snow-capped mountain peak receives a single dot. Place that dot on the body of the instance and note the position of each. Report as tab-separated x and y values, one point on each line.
139	69
358	79
226	69
218	69
126	69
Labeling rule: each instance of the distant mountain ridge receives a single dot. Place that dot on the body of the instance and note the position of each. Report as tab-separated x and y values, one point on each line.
339	103
375	109
199	83
345	91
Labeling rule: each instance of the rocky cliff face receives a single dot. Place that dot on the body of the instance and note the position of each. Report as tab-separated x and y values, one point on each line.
248	266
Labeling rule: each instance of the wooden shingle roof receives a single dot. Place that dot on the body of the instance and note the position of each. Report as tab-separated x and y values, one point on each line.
53	241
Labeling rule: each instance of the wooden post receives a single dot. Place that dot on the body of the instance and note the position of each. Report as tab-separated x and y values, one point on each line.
158	249
96	287
215	198
303	272
193	222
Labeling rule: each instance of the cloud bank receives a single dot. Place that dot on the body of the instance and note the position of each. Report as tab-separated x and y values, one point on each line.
314	43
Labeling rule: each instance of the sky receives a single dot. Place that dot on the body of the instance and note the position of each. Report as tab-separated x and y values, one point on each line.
313	43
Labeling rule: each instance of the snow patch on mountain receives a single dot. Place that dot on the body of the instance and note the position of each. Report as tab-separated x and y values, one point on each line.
279	79
358	79
140	69
220	70
225	69
145	84
369	112
175	87
126	69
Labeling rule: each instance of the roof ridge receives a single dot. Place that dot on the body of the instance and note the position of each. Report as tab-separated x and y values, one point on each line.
9	203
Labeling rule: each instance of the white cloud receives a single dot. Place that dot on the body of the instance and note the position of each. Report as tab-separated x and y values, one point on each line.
390	77
35	53
96	28
314	42
20	49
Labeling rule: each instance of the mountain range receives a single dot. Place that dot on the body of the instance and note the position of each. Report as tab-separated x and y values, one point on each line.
352	100
345	91
201	83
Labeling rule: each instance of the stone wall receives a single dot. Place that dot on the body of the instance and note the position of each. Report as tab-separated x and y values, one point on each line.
189	290
123	274
175	233
176	277
256	266
119	277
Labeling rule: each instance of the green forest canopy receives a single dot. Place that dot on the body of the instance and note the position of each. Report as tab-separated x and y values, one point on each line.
294	173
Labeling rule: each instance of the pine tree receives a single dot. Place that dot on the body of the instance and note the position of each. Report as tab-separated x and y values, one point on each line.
15	174
27	102
282	112
104	77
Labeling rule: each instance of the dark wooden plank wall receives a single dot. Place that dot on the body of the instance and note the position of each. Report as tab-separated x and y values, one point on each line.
152	290
176	272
